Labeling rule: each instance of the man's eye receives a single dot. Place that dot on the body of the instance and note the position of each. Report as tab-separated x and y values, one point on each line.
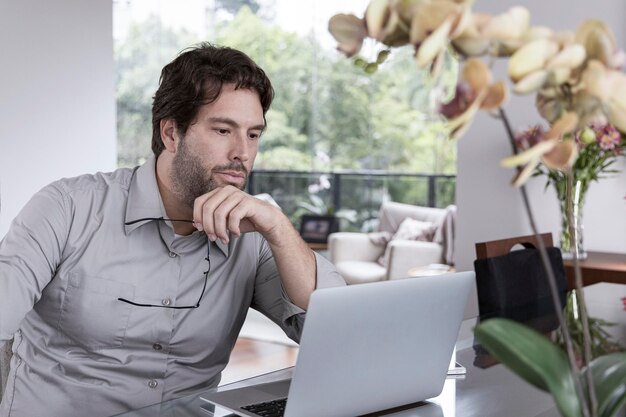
222	131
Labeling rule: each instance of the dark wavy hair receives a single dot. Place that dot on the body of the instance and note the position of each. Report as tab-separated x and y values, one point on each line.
195	78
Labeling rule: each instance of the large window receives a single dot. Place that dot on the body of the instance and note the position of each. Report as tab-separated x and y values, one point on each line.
328	114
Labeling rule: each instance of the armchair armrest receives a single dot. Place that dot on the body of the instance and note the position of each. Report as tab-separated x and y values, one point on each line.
406	254
349	246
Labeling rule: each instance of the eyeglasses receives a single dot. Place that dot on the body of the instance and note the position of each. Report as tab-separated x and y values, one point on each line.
206	273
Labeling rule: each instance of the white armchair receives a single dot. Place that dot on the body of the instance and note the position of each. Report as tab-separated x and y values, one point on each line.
355	255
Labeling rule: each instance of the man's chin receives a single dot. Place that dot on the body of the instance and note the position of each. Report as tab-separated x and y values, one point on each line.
237	184
242	187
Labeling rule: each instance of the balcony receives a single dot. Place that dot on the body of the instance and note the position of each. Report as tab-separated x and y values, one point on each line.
356	193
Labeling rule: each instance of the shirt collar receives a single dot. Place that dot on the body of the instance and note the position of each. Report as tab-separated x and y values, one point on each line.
224	248
144	199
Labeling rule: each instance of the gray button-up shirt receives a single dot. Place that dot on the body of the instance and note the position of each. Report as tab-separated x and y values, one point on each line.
78	350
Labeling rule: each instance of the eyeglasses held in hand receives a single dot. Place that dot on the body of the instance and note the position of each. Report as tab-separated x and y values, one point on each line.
206	273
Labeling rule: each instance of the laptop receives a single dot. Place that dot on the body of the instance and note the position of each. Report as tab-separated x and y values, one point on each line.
365	348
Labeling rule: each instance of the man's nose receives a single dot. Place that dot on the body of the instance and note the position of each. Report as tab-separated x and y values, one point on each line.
240	150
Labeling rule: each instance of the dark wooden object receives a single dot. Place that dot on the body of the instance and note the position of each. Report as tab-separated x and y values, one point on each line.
504	246
598	267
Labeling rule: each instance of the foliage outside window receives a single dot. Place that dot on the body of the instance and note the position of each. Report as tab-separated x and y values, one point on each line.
328	115
322	103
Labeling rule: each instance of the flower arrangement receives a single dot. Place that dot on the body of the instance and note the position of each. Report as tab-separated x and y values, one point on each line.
579	91
597	148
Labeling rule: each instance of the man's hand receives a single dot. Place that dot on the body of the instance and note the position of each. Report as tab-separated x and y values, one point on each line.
228	209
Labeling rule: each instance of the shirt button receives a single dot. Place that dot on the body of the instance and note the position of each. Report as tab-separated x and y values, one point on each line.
152	383
173	255
157	346
166	301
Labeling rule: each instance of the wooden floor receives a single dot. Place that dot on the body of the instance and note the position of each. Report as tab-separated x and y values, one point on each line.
254	357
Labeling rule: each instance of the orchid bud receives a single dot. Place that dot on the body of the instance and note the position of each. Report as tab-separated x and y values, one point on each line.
371	68
382	56
587	136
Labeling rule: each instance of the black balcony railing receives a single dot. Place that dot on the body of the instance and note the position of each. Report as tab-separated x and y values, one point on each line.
358	193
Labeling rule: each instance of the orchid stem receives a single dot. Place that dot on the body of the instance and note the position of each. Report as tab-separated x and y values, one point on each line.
551	280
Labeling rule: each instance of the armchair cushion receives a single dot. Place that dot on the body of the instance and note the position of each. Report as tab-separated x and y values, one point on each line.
406	254
351	246
360	272
392	214
409	229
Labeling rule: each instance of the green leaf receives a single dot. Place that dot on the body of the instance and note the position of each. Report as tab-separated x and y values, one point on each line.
609	379
532	357
318	202
311	208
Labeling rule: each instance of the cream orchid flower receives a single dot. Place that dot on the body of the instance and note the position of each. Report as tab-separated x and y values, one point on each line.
499	35
349	32
482	92
609	86
433	25
555	152
599	42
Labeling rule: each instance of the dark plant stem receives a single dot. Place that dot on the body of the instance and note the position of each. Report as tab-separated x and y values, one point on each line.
551	280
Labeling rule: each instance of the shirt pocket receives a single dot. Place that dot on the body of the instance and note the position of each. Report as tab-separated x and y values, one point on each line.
91	314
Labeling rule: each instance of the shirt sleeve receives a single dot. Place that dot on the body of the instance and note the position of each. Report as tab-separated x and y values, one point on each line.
29	255
326	274
271	299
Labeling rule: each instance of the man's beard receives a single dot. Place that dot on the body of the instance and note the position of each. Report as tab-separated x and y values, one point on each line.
190	179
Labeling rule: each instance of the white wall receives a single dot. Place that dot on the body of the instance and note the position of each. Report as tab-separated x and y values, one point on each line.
488	208
57	106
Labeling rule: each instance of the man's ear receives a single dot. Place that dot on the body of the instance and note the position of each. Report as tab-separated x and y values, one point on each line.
169	135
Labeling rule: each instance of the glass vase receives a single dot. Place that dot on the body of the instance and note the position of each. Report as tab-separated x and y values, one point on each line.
571	203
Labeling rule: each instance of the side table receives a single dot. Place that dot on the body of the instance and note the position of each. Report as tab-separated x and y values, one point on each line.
318	246
598	267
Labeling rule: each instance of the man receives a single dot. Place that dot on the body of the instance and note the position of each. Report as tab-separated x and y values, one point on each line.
129	288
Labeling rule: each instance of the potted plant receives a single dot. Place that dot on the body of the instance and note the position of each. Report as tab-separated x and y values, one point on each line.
317	218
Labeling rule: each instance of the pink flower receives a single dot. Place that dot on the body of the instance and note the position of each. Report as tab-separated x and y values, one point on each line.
607	137
529	138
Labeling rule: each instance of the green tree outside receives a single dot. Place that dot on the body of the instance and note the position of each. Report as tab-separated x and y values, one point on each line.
324	105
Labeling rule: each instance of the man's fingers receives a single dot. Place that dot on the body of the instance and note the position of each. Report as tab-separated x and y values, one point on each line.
221	215
198	209
212	212
228	210
203	208
237	219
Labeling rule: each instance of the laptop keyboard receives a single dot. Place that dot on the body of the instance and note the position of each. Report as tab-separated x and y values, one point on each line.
274	408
